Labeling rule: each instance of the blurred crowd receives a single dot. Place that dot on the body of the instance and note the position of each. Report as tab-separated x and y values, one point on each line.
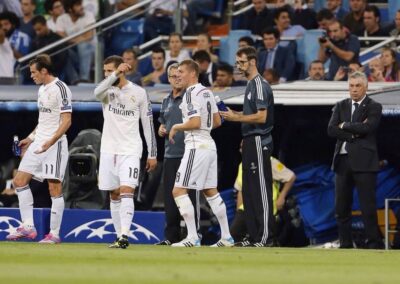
29	25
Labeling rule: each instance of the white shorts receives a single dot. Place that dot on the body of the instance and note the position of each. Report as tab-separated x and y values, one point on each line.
48	165
198	170
118	170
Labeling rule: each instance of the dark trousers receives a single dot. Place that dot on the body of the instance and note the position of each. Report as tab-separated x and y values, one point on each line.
365	182
238	227
173	217
257	189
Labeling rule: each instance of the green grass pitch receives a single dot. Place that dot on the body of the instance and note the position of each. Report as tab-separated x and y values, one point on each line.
95	263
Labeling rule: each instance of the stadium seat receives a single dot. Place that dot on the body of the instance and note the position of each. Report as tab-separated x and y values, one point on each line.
319	4
307	47
145	66
229	45
126	35
393	7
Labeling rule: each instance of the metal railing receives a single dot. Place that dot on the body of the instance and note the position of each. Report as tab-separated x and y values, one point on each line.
387	227
113	20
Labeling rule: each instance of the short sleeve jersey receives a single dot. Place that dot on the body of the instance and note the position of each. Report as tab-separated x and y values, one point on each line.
199	101
258	96
53	100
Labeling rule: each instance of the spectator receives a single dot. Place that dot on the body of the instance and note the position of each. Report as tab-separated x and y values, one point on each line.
371	19
274	56
303	15
246	41
343	72
396	31
282	22
208	69
54	8
390	65
160	18
44	37
341	47
316	71
324	18
194	7
354	19
129	56
72	22
272	76
157	61
11	6
28	11
7	59
176	51
18	40
225	78
257	18
204	42
375	67
335	6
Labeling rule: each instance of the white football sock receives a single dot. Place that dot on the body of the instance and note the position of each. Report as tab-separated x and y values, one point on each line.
186	209
25	199
57	210
115	206
219	209
126	212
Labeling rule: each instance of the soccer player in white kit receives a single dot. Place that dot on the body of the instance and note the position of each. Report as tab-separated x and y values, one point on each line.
45	151
198	169
121	145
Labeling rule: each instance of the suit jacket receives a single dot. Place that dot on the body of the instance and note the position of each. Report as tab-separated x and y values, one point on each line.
360	134
256	23
203	77
284	61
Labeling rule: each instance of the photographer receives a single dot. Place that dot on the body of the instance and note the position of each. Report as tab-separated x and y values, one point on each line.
344	71
341	47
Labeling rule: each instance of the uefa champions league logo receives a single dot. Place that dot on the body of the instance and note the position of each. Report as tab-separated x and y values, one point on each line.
8	224
102	227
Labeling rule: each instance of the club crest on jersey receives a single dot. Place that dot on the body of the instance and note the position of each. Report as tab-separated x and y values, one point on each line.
65	102
133	99
249	96
112	96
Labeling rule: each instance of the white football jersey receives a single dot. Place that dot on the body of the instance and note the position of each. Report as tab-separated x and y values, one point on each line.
53	99
122	109
199	101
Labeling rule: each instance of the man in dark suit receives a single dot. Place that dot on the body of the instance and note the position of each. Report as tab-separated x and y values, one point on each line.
208	69
354	123
274	56
257	18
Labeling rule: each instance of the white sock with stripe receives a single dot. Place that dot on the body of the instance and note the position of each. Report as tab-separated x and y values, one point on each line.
115	206
57	210
219	209
25	199
126	211
186	209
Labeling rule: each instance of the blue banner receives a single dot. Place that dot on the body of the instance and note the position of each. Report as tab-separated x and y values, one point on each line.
88	226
